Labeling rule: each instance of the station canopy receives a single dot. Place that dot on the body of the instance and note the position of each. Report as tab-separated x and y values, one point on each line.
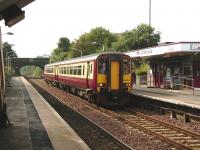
11	12
167	50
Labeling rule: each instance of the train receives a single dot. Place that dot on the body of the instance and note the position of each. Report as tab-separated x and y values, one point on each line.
103	78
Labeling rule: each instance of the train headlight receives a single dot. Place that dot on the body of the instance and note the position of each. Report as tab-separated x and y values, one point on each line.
127	84
101	85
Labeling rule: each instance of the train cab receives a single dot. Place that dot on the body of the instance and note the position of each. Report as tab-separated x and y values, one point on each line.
113	77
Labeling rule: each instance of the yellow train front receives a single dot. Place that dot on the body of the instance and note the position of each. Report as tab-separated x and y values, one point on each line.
113	79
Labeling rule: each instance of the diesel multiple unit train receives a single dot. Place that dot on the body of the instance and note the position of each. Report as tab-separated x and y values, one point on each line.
103	78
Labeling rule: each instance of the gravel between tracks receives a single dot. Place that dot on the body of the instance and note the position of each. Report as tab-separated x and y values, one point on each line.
133	137
193	126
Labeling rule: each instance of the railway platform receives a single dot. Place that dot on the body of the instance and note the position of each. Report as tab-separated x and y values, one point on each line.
34	123
179	97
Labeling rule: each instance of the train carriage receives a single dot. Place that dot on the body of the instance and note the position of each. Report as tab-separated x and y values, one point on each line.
103	78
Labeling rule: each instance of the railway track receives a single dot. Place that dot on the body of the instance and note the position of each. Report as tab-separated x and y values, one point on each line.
179	138
95	136
176	136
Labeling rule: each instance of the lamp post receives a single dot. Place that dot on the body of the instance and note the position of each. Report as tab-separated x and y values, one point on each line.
8	33
78	50
2	62
7	58
7	61
10	62
149	12
99	44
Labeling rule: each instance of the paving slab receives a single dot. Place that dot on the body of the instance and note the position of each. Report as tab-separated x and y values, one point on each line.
35	124
180	97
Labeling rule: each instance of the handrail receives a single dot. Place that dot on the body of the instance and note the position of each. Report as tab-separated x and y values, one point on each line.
187	82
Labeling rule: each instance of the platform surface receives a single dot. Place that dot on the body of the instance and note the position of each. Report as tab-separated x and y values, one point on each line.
35	124
181	97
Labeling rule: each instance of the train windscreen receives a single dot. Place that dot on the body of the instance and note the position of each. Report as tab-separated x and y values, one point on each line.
126	66
102	66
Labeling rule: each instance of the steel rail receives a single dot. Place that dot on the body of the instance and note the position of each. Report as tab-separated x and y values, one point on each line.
150	131
88	119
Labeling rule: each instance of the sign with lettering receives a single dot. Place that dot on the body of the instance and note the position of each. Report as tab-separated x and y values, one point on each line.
165	49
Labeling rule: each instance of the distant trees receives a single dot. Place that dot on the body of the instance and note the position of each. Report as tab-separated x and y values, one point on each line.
31	71
61	52
140	37
99	35
8	54
8	51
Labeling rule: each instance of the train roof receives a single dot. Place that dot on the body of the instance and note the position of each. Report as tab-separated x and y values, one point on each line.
83	58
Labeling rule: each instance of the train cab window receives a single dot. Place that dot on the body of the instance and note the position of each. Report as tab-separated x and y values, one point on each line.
126	66
102	66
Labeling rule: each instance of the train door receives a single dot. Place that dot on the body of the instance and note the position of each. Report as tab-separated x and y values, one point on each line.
114	75
87	74
56	72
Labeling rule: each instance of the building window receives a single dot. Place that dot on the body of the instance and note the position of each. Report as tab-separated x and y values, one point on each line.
187	70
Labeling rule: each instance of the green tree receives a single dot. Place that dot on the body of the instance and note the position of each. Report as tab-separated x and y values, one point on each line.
62	50
140	37
31	71
99	35
8	51
8	54
64	44
102	36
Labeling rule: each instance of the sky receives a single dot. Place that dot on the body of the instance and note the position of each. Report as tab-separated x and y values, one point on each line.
48	20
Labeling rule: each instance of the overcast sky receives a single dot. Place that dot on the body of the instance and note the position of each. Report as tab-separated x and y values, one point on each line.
48	20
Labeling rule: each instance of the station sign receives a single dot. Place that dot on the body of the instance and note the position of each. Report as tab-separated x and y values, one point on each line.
165	49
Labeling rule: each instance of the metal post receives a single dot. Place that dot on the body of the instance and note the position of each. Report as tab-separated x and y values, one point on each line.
2	62
193	86
150	80
149	12
7	61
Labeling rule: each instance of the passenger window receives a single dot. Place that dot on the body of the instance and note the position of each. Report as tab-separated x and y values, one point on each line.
126	66
71	70
102	67
79	70
83	70
65	70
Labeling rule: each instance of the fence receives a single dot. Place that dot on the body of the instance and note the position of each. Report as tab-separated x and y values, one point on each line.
179	83
174	82
144	80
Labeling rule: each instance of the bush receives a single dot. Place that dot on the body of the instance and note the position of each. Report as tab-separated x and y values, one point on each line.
142	68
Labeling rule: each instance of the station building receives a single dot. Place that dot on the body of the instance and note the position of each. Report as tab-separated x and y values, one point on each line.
172	65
